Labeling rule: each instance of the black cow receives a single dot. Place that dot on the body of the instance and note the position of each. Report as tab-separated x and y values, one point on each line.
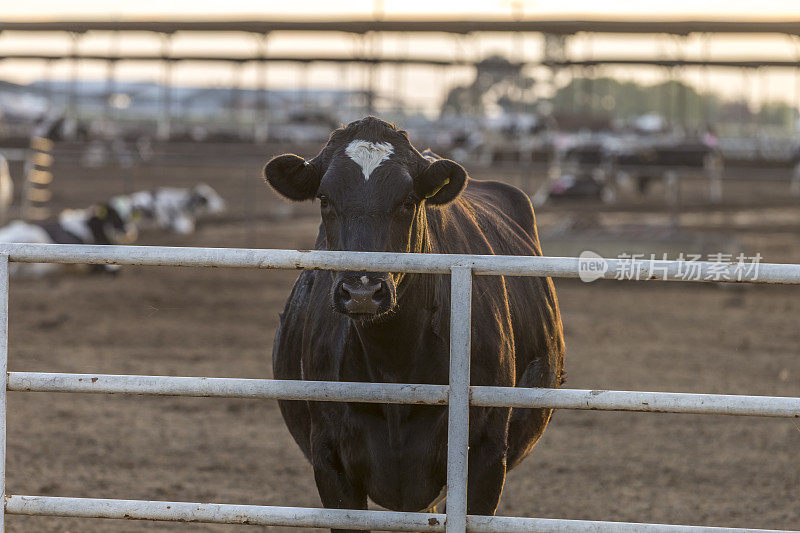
378	193
686	153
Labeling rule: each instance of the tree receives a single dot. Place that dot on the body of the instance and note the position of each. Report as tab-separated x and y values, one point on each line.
497	82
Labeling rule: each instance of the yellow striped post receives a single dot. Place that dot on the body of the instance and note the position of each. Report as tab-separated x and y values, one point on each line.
38	180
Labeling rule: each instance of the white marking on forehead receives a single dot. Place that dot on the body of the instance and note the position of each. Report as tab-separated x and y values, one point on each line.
364	280
368	155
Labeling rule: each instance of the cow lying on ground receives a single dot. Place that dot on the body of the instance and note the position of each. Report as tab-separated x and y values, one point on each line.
169	208
99	224
377	193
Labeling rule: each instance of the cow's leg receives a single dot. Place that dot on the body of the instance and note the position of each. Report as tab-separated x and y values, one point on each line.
487	464
336	489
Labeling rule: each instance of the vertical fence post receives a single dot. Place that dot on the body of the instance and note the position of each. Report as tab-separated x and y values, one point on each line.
458	408
3	372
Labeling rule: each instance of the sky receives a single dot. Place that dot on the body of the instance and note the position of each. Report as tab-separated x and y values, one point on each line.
421	86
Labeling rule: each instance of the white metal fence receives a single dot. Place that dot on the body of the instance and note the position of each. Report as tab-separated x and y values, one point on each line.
458	395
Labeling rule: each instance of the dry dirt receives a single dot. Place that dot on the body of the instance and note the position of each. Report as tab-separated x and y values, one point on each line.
686	469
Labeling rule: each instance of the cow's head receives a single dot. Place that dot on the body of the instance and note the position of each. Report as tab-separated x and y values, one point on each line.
204	200
372	187
108	226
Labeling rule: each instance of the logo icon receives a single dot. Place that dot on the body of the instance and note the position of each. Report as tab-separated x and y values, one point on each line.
591	266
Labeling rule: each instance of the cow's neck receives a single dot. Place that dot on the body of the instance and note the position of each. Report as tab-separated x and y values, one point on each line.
390	341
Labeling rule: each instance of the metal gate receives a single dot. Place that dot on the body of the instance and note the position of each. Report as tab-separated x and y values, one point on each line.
459	395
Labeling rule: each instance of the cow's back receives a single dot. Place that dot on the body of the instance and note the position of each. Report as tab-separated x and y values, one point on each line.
496	218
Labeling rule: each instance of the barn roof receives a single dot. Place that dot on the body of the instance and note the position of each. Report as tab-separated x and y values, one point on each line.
554	26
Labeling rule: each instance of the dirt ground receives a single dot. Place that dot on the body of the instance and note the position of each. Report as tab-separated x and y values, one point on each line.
684	469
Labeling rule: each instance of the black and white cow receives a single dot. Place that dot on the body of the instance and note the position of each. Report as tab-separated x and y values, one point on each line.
99	224
169	208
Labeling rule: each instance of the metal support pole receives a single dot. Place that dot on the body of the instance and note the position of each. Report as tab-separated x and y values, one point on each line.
165	121
794	186
706	97
673	186
714	168
3	369
796	107
239	113
110	89
49	89
400	76
458	410
260	127
370	53
751	118
672	98
683	97
762	98
304	99
73	102
111	86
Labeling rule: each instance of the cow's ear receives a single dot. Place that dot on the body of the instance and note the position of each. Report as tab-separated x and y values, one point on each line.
292	177
441	182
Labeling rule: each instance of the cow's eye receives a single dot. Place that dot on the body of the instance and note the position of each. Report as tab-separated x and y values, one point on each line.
409	203
323	200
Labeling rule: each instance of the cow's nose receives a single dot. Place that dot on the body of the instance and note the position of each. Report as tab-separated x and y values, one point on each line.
362	296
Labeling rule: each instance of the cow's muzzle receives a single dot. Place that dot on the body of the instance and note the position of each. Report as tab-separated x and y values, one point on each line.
364	295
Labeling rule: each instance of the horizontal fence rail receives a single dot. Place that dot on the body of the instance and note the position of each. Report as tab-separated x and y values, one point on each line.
491	265
215	513
343	391
458	395
271	389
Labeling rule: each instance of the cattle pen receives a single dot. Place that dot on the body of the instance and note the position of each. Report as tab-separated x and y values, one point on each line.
458	394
